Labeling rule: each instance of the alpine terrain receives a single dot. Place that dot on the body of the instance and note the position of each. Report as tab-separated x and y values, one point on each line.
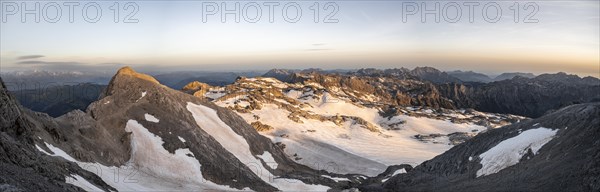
309	130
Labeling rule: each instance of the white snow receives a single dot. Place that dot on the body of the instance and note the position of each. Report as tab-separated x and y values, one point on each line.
181	139
149	155
42	150
214	94
210	122
351	148
82	183
151	167
399	171
336	179
508	152
151	118
143	95
268	159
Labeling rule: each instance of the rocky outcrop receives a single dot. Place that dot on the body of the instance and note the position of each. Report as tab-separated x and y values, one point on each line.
196	88
260	127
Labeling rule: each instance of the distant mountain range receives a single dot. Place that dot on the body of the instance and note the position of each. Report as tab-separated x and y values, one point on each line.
470	76
426	86
456	89
59	100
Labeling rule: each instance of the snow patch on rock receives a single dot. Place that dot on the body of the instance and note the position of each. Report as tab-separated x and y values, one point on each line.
336	179
508	152
82	183
158	173
209	121
268	159
151	118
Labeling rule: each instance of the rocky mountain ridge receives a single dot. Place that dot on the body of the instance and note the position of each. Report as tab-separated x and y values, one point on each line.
531	97
556	152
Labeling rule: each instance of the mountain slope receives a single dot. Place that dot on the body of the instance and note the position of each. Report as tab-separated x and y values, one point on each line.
556	152
22	166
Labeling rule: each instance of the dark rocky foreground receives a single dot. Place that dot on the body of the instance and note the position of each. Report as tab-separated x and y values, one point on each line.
22	166
568	162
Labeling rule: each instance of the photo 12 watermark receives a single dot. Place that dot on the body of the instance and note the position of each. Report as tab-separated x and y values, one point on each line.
454	12
68	11
253	12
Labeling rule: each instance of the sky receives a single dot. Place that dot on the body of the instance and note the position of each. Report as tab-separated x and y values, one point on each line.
541	37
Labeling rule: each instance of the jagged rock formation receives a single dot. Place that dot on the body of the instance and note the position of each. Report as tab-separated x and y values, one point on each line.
567	160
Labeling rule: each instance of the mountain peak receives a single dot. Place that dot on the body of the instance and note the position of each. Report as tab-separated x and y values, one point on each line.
130	72
124	80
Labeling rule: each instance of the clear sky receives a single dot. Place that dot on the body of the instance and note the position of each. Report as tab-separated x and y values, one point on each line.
173	36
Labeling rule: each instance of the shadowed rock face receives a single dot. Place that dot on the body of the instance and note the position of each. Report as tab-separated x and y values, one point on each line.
523	96
22	166
568	162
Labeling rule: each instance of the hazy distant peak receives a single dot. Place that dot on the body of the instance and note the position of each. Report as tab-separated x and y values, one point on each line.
470	76
505	76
